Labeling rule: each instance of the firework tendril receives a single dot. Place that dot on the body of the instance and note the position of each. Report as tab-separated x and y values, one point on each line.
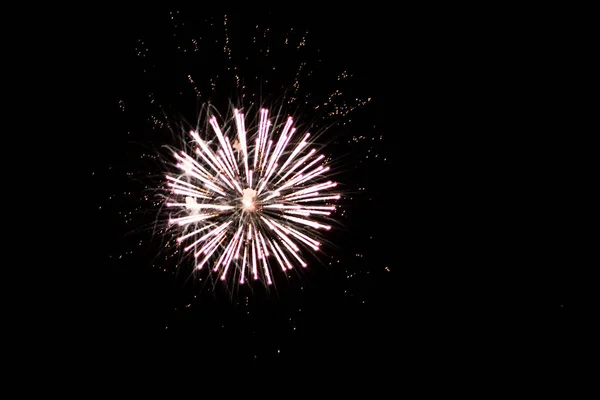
251	200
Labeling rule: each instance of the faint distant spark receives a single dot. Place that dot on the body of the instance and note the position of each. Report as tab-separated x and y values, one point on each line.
259	202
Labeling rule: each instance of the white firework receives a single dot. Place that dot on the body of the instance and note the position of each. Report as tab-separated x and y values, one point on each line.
249	203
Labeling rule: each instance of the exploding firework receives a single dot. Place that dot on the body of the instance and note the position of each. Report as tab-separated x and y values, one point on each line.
251	199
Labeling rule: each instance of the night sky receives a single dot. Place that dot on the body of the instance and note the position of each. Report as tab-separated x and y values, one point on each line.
158	69
147	71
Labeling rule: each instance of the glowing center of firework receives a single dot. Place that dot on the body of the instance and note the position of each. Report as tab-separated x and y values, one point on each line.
248	199
282	198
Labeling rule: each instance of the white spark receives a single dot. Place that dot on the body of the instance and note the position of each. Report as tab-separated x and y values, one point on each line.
246	220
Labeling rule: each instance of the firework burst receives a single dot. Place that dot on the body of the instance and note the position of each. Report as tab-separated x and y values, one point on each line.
250	200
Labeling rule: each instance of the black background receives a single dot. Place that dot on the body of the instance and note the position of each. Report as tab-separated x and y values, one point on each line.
451	285
332	315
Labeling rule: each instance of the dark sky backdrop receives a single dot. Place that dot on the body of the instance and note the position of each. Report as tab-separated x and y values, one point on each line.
333	313
422	280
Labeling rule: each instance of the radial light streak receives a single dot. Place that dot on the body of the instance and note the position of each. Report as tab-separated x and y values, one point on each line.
238	198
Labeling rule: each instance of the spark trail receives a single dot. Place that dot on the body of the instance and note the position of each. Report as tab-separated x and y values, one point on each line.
252	202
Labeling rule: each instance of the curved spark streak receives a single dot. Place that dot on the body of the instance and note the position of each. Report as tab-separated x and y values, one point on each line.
246	220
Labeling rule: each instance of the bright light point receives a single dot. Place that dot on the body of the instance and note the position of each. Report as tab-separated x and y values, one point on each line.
236	145
248	199
190	203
